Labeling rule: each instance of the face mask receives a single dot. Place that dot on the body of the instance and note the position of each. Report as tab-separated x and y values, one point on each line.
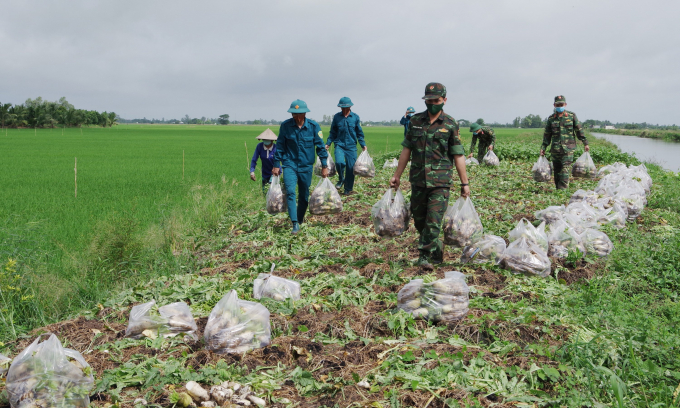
560	109
409	115
434	109
269	143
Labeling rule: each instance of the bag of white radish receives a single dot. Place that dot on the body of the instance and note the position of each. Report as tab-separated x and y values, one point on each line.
490	159
442	300
534	234
364	166
268	285
584	167
48	375
524	256
174	319
391	164
563	239
325	199
551	214
329	162
597	243
277	201
390	214
4	364
541	170
237	326
461	223
488	248
471	161
590	197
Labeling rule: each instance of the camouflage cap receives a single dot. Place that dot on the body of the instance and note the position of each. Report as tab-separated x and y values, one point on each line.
560	98
434	90
474	126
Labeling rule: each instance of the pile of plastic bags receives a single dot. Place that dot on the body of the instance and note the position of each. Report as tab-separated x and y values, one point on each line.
277	288
276	200
442	300
325	199
461	223
48	375
541	170
390	214
237	326
364	166
172	320
490	159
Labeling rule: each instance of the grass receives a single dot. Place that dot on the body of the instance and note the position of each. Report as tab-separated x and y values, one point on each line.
596	333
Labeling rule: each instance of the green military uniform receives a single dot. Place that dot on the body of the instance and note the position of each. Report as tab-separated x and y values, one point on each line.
561	131
487	137
432	149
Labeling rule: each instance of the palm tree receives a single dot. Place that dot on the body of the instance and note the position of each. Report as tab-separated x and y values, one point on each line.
113	118
4	112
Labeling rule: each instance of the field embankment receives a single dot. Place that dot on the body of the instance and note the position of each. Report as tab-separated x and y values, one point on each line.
597	331
669	135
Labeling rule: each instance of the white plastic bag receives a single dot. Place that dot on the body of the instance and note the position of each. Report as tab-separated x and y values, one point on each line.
490	159
597	243
461	223
49	375
611	168
534	234
526	257
551	214
325	199
617	217
562	239
174	318
471	161
391	164
541	170
488	248
329	162
277	288
237	326
364	167
442	300
277	201
4	364
390	214
589	196
584	167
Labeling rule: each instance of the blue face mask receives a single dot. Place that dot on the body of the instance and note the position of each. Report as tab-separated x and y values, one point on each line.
560	109
268	143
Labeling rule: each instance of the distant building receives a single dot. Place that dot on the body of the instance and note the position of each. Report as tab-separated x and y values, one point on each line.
609	127
596	126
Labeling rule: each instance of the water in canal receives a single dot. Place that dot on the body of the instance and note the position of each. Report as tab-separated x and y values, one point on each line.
666	154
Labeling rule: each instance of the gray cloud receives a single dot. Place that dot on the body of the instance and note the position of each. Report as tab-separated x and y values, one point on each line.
498	59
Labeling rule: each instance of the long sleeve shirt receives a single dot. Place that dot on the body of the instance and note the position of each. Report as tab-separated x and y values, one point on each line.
346	132
488	137
266	155
295	146
561	131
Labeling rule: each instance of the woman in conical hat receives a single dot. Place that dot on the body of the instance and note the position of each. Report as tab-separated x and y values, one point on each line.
265	151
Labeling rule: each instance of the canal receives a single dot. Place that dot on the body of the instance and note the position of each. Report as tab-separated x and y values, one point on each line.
665	154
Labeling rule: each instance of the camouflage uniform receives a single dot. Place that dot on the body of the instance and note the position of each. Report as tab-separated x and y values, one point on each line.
562	130
486	139
432	149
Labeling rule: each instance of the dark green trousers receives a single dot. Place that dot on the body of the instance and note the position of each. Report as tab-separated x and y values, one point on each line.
562	170
428	206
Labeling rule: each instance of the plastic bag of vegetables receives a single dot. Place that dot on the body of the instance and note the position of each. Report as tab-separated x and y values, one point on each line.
236	326
471	161
48	375
277	201
442	300
526	257
329	162
4	364
541	170
562	239
584	167
391	164
390	215
551	214
364	167
490	159
534	234
617	217
589	197
488	248
325	199
277	288
174	319
597	243
461	223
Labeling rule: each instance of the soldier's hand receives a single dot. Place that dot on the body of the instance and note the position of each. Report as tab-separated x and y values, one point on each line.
470	156
364	148
542	152
587	148
252	176
327	147
394	182
275	171
465	191
324	172
490	147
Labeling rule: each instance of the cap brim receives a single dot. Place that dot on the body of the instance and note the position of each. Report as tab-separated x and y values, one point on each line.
345	106
427	97
298	110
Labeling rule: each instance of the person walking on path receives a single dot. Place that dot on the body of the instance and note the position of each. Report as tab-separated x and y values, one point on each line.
486	137
407	118
298	138
433	144
346	132
561	130
264	151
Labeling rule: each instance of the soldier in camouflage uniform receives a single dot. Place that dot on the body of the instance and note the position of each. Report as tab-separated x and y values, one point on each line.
562	130
487	139
432	143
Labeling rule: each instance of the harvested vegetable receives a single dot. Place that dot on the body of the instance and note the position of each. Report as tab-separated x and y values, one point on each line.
551	214
534	234
524	256
442	300
329	162
174	319
277	288
471	161
490	159
276	200
325	199
390	214
364	166
541	170
584	167
461	223
488	248
597	243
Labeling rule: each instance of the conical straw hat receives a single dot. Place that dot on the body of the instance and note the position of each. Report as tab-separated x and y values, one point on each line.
267	135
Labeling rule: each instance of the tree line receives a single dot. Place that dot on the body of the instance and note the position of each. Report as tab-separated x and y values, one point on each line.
39	113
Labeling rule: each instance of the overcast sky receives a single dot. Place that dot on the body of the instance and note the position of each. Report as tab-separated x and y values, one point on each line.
615	60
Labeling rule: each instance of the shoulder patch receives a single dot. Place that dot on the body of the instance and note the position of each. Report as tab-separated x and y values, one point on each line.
320	134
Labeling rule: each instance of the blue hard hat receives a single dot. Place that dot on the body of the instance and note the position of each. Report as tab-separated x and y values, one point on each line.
410	109
345	102
298	106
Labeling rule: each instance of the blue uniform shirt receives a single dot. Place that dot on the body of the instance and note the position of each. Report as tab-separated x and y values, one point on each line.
405	121
267	158
346	132
295	146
